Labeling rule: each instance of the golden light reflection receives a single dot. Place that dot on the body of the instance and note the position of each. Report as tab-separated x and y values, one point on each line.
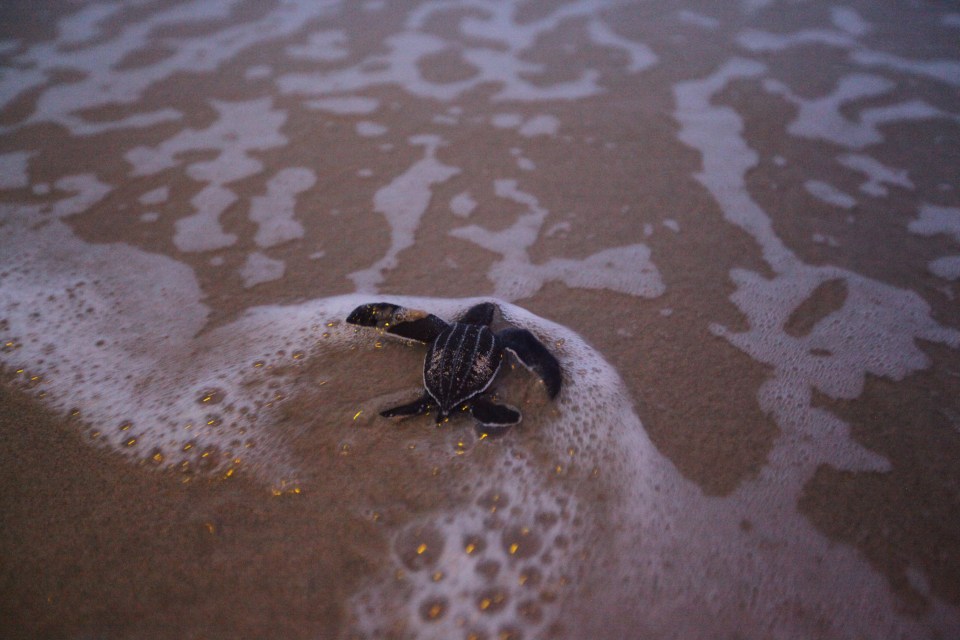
357	414
437	576
421	549
435	610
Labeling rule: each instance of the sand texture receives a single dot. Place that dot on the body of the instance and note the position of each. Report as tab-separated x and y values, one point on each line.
735	225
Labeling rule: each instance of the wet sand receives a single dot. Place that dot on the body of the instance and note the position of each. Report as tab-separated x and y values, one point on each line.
750	212
94	547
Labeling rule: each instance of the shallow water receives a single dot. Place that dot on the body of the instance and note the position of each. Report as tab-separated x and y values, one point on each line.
736	228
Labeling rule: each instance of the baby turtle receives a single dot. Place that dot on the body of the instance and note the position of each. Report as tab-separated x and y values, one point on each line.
462	360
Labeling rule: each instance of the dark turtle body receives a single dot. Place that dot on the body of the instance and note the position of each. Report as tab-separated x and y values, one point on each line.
463	358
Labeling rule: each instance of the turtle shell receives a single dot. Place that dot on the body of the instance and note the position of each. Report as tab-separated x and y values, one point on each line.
461	363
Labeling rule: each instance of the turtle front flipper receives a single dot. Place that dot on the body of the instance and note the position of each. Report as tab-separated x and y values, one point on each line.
412	324
417	407
534	356
493	418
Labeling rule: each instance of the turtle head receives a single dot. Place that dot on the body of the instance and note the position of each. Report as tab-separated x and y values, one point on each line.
373	315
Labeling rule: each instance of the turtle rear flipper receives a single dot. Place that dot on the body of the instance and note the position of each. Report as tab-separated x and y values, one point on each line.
493	418
412	324
534	356
415	408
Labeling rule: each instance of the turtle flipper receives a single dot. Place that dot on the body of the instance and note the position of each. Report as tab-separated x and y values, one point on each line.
493	418
534	356
412	324
479	314
415	408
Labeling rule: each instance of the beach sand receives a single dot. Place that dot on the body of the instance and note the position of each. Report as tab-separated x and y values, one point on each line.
750	213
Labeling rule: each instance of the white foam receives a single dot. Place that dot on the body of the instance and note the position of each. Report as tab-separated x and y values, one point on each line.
84	24
942	70
13	169
274	212
828	193
947	267
345	105
849	21
946	71
258	72
463	204
506	120
322	46
540	125
757	41
403	202
878	173
936	219
497	61
698	19
105	81
525	164
821	118
260	268
155	196
874	332
672	224
133	361
369	129
627	269
641	56
240	129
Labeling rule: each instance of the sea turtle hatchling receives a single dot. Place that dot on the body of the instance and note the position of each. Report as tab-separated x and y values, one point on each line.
462	360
